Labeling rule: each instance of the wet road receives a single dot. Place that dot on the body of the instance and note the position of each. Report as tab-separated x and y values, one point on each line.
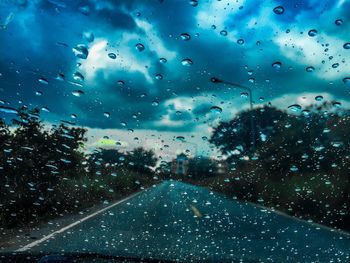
180	221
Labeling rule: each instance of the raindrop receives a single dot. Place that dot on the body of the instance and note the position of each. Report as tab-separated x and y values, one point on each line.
85	10
335	65
112	55
312	32
294	107
107	114
43	81
81	51
159	77
139	47
346	46
310	69
46	109
338	22
38	93
78	76
60	77
185	36
223	32
120	82
89	36
163	60
180	138
244	95
73	116
187	62
278	10
346	80
193	3
8	110
77	93
155	103
215	109
123	123
240	41
336	104
293	168
319	98
277	65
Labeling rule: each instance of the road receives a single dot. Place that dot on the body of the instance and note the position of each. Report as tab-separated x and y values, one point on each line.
183	222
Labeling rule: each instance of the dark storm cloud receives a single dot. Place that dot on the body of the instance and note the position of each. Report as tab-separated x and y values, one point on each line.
35	27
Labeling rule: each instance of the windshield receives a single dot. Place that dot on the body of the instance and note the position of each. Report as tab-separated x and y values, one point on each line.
179	130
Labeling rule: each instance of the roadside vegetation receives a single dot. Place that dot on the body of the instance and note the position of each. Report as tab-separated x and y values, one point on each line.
298	163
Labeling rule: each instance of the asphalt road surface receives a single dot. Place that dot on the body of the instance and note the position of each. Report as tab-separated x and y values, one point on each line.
183	222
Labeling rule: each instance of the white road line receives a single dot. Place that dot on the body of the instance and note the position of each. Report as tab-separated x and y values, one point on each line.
37	242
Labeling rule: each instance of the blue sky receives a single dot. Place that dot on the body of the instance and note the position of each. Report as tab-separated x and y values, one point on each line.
155	99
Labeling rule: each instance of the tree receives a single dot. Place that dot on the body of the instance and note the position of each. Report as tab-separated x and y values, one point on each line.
235	135
141	160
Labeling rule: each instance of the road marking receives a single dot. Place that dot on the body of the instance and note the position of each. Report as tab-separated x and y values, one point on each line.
37	242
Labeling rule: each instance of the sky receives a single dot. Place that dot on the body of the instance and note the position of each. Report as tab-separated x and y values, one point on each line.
138	72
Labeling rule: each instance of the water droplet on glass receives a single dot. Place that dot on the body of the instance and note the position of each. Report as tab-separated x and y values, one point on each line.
277	65
294	107
346	80
120	82
107	114
240	41
312	32
38	93
319	98
338	22
139	47
180	138
223	32
185	36
89	36
346	46
81	51
244	95
60	77
8	110
73	116
155	103
77	93
163	60
335	65
336	104
159	77
187	62
43	81
193	2
215	109
78	76
278	10
46	109
112	55
310	69
293	168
